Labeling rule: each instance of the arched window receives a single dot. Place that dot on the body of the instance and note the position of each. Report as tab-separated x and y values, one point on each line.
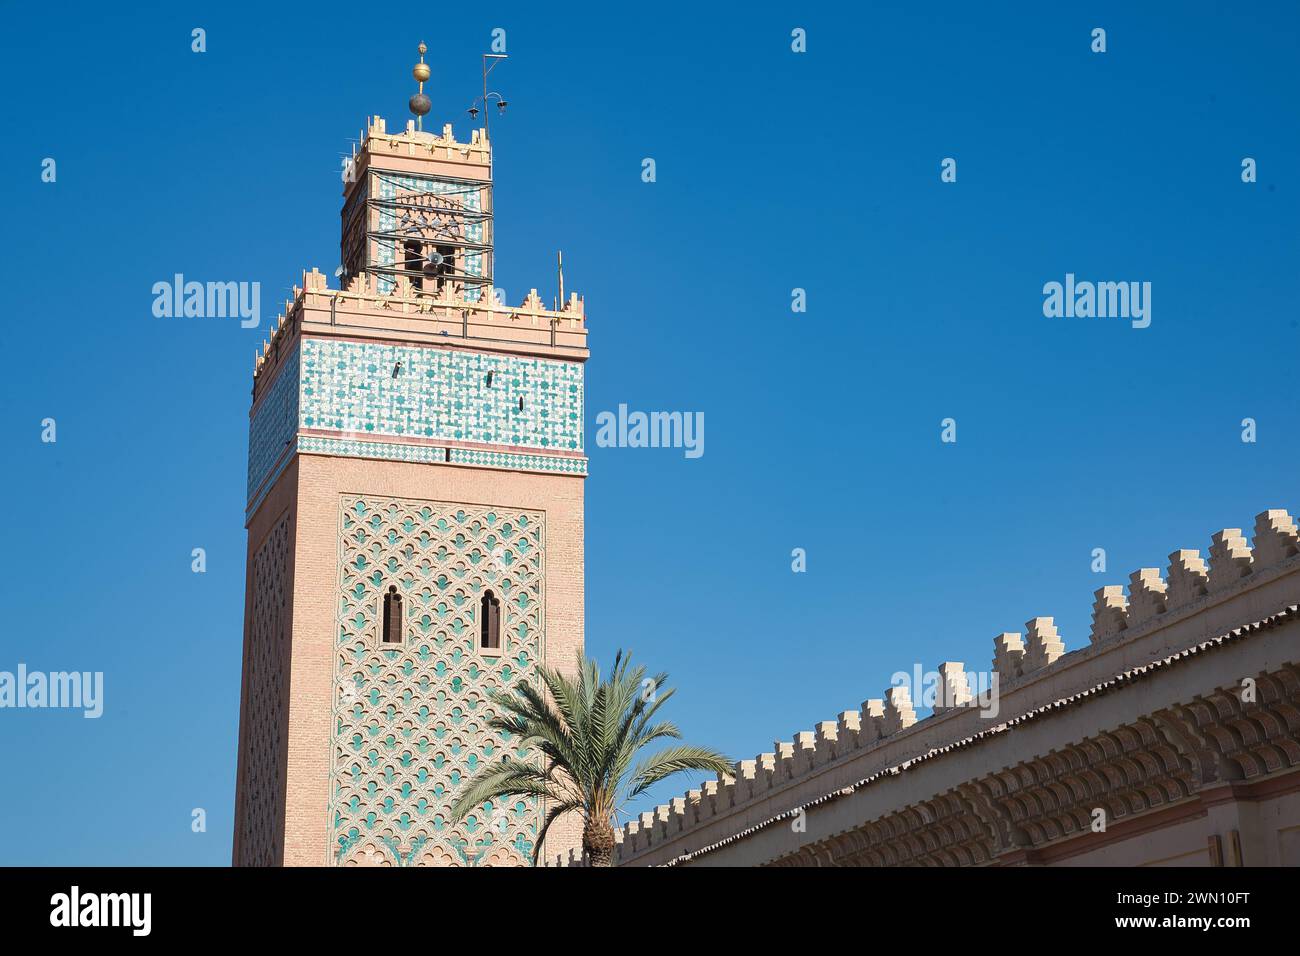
444	265
392	632
489	627
413	261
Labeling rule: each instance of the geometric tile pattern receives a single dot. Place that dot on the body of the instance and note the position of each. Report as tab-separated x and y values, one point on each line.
410	719
265	682
495	459
274	424
405	391
437	394
346	448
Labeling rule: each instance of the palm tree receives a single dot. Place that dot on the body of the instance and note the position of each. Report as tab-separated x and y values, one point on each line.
588	732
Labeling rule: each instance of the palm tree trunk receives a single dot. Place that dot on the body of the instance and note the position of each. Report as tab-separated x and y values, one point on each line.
598	842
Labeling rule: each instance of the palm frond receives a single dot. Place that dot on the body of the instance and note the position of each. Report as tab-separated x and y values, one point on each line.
585	732
507	778
675	760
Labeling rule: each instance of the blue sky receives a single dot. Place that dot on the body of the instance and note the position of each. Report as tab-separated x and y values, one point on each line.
775	170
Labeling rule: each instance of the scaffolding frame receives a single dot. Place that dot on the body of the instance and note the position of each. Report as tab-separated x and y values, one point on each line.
438	220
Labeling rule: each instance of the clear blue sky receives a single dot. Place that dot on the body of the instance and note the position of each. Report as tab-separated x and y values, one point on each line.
775	171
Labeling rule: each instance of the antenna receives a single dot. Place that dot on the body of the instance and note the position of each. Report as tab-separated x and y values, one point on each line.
501	103
559	261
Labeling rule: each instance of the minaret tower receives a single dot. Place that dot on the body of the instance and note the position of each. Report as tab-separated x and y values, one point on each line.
415	524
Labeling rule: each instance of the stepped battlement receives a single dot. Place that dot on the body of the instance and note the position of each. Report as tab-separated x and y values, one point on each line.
1159	617
418	151
361	310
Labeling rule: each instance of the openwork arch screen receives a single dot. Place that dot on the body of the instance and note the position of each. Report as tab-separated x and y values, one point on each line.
410	719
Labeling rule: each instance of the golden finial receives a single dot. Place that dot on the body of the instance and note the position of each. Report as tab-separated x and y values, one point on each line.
421	70
420	104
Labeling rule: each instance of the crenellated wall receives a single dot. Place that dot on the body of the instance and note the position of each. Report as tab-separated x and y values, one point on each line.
406	376
939	775
361	309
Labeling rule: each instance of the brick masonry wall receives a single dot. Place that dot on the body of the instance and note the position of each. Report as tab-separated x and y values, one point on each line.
279	503
316	483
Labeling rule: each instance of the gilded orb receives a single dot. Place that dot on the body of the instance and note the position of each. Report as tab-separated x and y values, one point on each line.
421	72
422	48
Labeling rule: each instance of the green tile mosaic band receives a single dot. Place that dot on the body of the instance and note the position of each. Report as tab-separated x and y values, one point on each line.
384	451
407	391
273	424
412	392
492	459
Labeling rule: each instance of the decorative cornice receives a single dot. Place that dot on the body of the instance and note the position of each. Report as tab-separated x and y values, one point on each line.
1290	614
1152	603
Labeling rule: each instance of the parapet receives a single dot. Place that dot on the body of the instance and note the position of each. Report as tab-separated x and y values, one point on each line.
417	151
447	318
1138	624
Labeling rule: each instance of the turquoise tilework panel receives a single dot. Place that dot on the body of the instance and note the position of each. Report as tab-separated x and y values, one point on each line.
411	720
268	484
442	394
392	185
493	459
273	426
383	451
438	394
